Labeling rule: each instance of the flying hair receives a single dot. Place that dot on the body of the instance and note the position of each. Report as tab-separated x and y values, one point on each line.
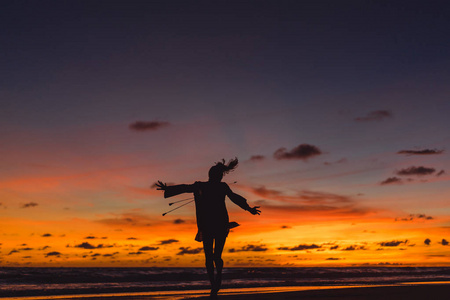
221	168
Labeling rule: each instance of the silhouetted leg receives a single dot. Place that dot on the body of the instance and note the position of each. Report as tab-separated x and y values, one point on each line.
209	257
218	248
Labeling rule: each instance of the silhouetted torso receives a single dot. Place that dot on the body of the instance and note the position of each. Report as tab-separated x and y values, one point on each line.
212	215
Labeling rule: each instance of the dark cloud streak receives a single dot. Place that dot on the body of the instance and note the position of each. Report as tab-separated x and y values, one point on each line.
413	170
147	125
421	152
303	151
188	250
377	115
30	204
392	180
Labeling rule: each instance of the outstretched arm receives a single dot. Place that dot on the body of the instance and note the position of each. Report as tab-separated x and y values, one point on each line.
242	202
173	190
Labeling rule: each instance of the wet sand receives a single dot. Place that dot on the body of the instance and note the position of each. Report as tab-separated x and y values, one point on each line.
410	291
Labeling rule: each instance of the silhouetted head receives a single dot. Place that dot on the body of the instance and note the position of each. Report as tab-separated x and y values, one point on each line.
217	171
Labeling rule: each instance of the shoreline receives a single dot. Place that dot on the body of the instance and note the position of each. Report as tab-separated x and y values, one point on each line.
405	290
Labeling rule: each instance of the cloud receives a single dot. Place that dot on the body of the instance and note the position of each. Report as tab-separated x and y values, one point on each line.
285	227
412	217
255	248
392	180
333	258
441	172
354	247
304	196
300	247
187	250
376	115
303	151
257	158
136	253
13	251
427	242
148	248
444	242
44	248
340	161
420	171
94	238
393	243
178	221
147	125
334	247
167	242
310	201
26	249
86	245
29	204
47	235
54	253
129	219
132	238
421	152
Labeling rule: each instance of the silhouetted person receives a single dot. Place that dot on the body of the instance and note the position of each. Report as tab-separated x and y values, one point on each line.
212	216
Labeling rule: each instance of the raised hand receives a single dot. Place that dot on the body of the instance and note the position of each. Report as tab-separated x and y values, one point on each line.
161	186
254	210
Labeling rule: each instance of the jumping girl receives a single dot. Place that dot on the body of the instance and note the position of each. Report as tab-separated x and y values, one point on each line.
212	216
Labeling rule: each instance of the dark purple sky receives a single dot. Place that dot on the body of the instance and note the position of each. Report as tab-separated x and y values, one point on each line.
332	99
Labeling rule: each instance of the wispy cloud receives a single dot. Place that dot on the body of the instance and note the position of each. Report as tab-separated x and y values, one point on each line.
376	115
392	180
167	242
303	152
354	247
250	247
87	245
13	251
148	248
413	217
30	204
54	253
393	243
128	219
257	157
188	250
419	171
300	247
321	203
147	125
421	152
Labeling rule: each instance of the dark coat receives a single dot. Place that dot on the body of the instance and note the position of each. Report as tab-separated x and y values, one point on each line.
211	211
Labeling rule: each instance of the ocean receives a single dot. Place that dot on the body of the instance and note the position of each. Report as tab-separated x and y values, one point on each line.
20	282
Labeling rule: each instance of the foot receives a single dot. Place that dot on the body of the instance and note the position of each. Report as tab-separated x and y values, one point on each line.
213	294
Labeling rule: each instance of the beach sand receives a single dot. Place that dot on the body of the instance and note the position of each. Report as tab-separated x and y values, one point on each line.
413	291
410	292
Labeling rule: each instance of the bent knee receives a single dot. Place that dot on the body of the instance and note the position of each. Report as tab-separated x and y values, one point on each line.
218	259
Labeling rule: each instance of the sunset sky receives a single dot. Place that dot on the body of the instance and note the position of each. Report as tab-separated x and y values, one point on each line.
337	110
